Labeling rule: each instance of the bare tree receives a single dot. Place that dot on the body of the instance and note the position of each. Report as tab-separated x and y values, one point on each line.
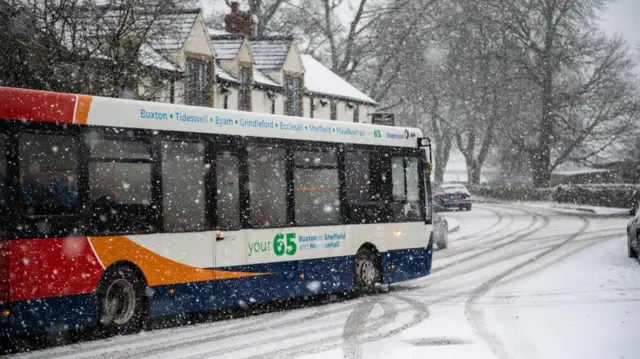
78	46
575	71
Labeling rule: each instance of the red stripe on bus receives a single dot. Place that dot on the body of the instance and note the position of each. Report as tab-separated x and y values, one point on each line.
20	104
52	267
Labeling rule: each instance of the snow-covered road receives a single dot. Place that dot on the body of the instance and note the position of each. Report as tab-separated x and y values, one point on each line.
515	282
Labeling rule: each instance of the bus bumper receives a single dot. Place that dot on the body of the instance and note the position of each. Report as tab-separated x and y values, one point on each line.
406	264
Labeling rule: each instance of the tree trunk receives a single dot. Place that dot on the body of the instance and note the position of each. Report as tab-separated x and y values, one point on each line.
443	148
474	169
541	160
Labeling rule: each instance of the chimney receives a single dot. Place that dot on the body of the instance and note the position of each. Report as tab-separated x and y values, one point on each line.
239	22
235	7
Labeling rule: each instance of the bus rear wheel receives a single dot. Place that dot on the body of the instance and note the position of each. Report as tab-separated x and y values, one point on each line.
121	302
368	271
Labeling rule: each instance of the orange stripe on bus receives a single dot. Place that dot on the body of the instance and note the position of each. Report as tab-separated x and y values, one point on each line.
157	269
82	110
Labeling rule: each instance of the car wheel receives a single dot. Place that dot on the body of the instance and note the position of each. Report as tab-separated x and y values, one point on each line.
122	305
367	270
469	208
632	253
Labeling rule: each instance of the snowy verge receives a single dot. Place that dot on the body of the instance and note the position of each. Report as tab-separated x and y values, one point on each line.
453	224
565	207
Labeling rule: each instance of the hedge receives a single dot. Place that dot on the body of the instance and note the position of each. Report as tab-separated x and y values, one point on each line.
512	193
605	195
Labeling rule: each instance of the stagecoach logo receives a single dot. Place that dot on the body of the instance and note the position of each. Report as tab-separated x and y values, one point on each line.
397	136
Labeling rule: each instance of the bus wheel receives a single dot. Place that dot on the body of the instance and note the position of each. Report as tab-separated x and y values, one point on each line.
121	301
367	270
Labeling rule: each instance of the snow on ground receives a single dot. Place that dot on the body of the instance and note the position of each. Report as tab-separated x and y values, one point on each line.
517	281
452	224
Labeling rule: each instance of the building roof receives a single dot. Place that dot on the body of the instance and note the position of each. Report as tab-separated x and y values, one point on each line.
226	47
269	53
262	79
180	24
148	56
320	80
222	74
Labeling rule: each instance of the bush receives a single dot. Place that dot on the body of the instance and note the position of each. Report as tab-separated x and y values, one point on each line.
604	195
512	193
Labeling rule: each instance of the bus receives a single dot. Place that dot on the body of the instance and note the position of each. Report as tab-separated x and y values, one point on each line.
115	211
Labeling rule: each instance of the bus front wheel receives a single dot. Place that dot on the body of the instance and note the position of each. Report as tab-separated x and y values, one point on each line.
367	270
121	301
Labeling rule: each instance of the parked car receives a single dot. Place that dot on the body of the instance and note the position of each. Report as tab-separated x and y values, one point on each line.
450	196
633	234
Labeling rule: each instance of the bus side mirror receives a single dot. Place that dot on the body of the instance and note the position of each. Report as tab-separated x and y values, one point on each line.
632	212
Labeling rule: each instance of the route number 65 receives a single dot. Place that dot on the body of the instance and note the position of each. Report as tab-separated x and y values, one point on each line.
279	244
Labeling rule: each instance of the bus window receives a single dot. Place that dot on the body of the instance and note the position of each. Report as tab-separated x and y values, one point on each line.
4	190
227	191
406	188
398	179
365	175
120	185
48	174
267	187
316	188
183	188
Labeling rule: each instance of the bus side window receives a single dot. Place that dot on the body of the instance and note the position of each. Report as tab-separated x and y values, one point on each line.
267	186
227	191
316	188
120	186
405	177
365	178
183	186
48	174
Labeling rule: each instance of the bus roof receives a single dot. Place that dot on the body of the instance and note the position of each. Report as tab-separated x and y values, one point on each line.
41	106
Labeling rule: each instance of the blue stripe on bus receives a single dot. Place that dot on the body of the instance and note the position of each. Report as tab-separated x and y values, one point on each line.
321	276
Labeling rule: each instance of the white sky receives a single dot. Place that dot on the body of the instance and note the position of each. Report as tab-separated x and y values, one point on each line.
622	17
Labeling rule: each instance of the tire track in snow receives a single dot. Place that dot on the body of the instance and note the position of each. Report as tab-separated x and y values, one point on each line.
163	342
474	317
420	310
356	322
524	251
535	217
487	231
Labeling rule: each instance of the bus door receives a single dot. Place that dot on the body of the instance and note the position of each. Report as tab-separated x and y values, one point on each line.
229	249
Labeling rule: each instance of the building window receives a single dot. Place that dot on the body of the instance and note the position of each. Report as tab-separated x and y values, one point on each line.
334	110
267	186
183	186
356	113
317	198
293	96
48	174
244	93
199	86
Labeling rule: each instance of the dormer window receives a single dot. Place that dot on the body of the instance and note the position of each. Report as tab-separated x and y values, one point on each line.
293	95
244	93
199	82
